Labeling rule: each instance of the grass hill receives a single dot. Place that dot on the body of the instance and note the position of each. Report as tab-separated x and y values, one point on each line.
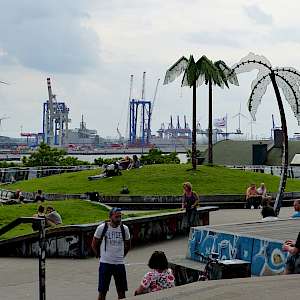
157	180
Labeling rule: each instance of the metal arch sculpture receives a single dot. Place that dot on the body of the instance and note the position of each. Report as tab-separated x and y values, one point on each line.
288	80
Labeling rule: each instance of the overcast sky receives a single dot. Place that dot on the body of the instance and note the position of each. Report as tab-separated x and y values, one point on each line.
90	48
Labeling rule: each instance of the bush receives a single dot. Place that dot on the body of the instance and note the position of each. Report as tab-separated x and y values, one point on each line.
189	155
6	164
73	161
47	156
107	161
155	156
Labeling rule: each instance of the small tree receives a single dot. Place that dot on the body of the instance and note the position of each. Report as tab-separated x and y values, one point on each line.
155	156
44	156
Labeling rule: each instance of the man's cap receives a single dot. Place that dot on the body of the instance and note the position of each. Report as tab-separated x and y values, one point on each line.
114	210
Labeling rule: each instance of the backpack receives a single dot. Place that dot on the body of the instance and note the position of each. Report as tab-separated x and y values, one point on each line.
103	234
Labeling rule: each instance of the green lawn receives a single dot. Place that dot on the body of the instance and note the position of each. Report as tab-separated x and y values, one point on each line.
157	180
71	211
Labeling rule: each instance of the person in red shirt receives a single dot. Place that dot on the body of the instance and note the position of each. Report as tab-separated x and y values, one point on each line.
159	278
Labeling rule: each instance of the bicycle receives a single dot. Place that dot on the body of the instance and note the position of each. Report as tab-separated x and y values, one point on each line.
209	270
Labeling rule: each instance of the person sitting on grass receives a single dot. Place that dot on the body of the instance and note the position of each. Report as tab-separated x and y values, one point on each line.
124	162
160	277
19	196
40	212
39	196
293	261
135	163
53	218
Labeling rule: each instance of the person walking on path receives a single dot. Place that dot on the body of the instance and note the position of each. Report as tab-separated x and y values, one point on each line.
111	243
190	201
160	277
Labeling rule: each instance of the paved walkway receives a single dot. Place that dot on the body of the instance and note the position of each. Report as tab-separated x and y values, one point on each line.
77	279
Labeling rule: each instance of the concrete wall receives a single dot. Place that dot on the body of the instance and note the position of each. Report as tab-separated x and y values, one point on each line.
75	241
154	202
265	256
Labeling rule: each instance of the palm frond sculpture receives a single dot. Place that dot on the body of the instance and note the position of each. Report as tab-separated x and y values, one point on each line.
286	79
195	74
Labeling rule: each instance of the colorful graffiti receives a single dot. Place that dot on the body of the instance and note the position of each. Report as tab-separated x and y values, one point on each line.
265	256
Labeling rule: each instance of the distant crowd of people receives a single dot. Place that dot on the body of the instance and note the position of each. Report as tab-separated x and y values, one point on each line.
114	169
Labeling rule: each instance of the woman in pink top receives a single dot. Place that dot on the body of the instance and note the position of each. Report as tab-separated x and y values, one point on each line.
160	277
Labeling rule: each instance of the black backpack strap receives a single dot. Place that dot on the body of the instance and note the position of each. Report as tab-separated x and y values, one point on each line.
122	231
103	235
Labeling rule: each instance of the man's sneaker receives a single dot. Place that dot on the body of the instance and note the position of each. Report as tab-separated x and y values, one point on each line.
252	207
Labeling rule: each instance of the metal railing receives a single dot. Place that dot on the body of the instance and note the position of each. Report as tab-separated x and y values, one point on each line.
292	171
41	224
13	174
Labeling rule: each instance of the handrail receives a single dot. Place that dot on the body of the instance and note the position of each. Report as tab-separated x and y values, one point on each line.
42	243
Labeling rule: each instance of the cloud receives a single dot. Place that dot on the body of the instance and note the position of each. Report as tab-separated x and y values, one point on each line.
221	38
258	15
48	36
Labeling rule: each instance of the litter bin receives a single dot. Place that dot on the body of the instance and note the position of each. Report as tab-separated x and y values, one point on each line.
93	196
200	160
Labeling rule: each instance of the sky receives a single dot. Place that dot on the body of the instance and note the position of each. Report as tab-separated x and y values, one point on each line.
89	49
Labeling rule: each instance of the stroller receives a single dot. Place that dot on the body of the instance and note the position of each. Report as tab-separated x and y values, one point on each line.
108	171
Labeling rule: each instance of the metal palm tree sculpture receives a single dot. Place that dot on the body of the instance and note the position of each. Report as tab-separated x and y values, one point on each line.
224	72
288	80
195	74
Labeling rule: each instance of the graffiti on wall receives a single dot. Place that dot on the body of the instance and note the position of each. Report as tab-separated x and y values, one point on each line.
56	246
265	256
77	243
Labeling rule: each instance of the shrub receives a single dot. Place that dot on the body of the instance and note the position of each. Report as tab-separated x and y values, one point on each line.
156	156
107	161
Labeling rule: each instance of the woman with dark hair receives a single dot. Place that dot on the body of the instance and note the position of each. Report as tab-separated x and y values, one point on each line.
268	213
160	277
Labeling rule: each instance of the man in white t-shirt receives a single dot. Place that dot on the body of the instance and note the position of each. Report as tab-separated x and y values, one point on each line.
111	243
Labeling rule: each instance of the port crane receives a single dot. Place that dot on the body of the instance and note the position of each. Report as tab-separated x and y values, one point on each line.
3	118
141	109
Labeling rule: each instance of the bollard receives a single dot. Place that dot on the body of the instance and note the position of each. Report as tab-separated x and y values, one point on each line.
42	260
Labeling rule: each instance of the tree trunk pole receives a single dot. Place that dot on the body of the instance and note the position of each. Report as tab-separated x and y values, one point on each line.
210	133
194	163
279	197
